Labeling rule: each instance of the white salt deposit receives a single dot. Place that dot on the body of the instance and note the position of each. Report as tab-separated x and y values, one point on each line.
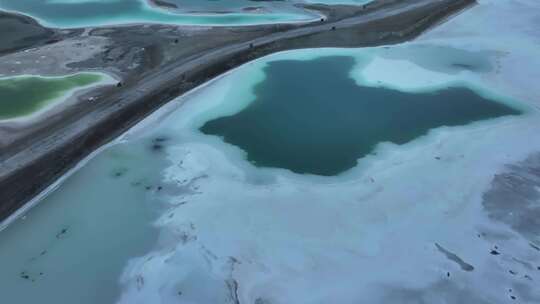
252	235
234	233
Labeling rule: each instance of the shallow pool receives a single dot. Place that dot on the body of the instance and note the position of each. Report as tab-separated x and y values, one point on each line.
311	116
170	214
72	247
24	95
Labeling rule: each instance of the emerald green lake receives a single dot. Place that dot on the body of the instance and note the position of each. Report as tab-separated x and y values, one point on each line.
20	96
311	117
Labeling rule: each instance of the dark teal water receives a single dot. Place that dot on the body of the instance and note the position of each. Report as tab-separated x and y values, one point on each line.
311	117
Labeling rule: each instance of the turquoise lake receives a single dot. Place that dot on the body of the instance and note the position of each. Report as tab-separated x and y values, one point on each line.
325	122
65	14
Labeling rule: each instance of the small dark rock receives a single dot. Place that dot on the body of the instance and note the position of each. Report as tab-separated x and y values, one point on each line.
159	188
495	252
512	272
333	28
448	274
119	172
52	41
157	147
61	233
119	84
437	158
463	66
176	41
512	297
160	139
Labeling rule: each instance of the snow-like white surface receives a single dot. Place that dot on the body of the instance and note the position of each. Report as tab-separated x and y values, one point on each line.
260	236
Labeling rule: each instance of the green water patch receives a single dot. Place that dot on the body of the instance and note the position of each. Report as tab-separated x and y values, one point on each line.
311	117
21	96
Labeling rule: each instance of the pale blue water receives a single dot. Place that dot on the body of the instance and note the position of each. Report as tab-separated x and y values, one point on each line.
66	13
72	247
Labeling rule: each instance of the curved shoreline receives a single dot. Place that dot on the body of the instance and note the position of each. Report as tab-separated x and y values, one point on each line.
179	18
29	168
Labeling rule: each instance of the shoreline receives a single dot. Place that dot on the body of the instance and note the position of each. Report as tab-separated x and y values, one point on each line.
310	16
29	169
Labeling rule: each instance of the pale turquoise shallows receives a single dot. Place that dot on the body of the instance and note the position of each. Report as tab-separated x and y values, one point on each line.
72	247
66	14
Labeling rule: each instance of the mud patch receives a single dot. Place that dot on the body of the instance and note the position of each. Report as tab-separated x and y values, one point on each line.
514	198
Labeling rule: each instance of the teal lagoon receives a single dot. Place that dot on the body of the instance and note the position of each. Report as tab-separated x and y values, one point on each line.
68	14
311	117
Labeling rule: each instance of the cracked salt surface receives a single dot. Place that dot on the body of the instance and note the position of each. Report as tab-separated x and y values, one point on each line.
369	234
